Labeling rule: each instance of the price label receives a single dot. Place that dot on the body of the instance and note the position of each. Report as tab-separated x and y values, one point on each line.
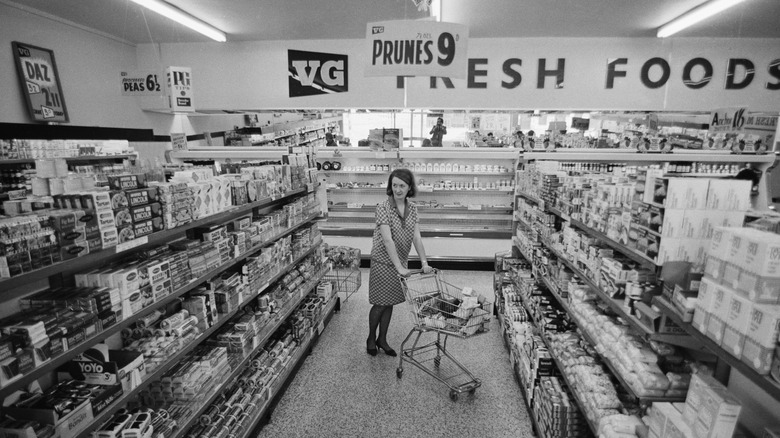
142	83
130	244
417	48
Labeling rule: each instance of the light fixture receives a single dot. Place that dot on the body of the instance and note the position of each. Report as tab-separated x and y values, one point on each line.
694	16
184	18
436	10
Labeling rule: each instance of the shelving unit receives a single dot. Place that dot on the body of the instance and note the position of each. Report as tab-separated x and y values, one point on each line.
109	254
765	382
55	362
70	159
691	338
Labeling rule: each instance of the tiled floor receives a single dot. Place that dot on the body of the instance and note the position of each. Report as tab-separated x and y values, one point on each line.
340	391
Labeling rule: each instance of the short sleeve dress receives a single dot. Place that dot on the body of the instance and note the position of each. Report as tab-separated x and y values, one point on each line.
384	288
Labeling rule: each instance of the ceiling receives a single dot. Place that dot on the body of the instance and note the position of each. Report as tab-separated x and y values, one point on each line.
255	20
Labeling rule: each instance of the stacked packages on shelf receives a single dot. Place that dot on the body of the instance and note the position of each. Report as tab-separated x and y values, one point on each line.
49	229
738	303
664	218
709	411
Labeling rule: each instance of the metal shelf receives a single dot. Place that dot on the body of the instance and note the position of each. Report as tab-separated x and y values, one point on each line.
626	251
67	355
616	305
104	256
285	375
764	382
382	172
160	371
422	192
77	158
630	156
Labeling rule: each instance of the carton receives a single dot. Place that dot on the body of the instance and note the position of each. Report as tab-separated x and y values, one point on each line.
761	252
728	195
67	426
101	366
737	321
716	324
687	193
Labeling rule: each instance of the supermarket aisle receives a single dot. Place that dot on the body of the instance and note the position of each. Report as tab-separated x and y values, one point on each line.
340	391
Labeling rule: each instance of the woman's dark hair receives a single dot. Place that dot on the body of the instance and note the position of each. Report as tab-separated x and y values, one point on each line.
406	176
439	119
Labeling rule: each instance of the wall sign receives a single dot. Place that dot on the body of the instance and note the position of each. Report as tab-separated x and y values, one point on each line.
142	83
180	88
416	48
313	73
40	83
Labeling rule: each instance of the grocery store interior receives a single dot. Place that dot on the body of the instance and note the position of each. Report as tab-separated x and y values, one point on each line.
190	199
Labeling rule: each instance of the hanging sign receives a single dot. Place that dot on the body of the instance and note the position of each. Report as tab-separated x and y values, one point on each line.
142	83
40	83
416	48
180	88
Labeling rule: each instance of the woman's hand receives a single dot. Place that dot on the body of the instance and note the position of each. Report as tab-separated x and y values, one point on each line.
426	268
403	272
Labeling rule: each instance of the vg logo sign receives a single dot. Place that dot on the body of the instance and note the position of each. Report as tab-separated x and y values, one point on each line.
312	73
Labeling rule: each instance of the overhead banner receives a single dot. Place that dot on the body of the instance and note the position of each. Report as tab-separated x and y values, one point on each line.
142	83
416	48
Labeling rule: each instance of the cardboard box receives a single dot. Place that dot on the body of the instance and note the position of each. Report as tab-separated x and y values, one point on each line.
67	426
654	320
127	182
737	321
759	289
728	195
145	196
101	366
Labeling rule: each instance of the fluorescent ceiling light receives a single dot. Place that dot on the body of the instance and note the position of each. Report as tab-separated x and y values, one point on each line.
695	15
184	18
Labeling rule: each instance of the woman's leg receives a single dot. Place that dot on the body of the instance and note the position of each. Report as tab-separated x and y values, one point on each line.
374	320
384	324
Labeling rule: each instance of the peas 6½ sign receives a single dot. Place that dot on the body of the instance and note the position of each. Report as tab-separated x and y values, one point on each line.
40	83
417	48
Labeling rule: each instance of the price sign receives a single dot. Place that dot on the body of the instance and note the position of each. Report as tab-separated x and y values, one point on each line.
142	83
417	48
727	120
178	141
40	83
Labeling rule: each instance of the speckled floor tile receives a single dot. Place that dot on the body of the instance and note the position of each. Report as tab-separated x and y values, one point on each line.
340	391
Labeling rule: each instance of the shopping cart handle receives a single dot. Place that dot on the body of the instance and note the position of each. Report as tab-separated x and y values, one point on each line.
420	271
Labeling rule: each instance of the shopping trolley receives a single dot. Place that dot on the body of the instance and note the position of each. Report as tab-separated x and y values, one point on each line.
440	307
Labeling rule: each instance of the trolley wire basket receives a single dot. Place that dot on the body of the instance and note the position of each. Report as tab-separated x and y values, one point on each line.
441	308
344	280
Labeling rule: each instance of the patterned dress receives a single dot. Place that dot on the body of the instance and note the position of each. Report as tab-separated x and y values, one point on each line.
384	288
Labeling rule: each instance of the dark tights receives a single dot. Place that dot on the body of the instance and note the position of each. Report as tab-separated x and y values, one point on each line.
379	316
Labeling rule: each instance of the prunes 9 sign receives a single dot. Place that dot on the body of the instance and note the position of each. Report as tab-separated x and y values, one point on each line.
416	48
40	83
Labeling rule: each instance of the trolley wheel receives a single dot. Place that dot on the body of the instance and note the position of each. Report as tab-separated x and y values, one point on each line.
472	391
454	395
399	372
437	361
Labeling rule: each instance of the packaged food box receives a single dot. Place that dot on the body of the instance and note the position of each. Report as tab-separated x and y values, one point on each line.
127	182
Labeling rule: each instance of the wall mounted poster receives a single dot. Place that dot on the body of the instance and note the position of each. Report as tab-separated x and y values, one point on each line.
40	83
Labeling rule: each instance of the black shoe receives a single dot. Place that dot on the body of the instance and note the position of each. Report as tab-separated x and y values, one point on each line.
388	351
371	351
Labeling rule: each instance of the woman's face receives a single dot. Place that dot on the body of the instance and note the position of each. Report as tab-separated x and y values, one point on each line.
400	189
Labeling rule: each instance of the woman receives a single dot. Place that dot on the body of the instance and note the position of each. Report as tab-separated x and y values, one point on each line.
396	230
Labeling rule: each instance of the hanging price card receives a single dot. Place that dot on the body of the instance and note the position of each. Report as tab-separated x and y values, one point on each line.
416	48
142	83
40	83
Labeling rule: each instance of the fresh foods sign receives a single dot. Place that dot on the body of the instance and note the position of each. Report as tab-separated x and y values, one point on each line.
312	73
416	48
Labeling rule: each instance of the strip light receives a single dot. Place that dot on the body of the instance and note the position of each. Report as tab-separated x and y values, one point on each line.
181	17
695	15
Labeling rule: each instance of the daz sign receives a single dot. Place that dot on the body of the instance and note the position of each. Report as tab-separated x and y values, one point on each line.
40	83
312	73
